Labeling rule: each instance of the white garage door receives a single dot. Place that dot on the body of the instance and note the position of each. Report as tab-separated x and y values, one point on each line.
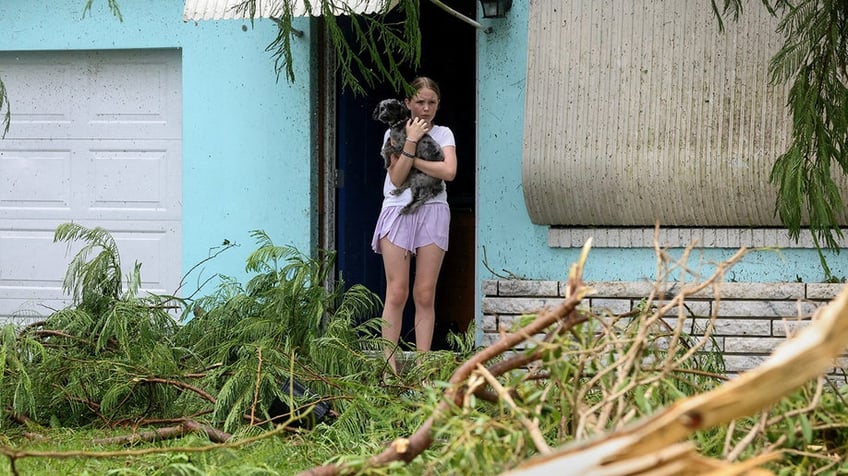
95	139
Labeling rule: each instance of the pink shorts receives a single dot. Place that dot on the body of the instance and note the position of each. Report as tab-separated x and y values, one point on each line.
429	224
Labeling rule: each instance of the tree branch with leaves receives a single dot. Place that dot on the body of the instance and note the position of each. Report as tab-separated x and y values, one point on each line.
813	61
377	47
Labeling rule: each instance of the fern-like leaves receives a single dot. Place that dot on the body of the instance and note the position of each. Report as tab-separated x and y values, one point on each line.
379	44
814	60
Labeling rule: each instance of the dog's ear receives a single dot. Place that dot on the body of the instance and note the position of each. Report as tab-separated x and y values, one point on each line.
399	109
377	110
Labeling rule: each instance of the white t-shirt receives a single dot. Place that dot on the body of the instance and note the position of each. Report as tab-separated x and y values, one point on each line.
444	137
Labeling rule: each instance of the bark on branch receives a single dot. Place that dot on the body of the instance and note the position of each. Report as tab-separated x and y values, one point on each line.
406	449
791	365
188	426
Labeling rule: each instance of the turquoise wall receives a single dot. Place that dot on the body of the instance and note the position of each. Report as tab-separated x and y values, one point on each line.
247	145
512	244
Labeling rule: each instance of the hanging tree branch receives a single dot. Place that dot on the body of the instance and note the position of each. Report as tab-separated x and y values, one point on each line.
379	43
813	61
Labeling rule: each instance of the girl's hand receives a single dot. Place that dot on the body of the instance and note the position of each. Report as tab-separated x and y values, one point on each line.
416	128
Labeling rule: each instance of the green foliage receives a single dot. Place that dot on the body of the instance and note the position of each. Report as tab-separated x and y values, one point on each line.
234	361
119	355
381	43
93	283
113	7
733	8
284	322
813	62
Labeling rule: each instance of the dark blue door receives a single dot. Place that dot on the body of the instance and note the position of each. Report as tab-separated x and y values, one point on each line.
360	192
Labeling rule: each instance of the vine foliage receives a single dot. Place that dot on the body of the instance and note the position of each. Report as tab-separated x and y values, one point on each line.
375	51
813	62
119	355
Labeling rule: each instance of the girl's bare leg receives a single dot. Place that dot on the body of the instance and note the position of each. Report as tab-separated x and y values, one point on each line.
396	264
428	262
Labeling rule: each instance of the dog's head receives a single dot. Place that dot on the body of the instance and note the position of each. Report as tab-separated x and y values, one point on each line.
391	112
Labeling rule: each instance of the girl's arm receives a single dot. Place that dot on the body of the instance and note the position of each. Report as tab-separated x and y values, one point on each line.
401	164
442	170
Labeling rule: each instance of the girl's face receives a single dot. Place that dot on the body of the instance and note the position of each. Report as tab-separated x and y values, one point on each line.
424	104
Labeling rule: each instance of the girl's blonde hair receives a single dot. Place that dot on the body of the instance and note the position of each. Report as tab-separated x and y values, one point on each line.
424	82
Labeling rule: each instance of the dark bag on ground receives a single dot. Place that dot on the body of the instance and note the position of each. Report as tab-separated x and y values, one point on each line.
303	397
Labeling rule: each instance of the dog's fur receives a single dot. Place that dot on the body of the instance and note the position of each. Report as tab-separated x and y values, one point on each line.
394	114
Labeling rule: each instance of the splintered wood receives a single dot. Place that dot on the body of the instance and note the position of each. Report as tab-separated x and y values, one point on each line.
656	445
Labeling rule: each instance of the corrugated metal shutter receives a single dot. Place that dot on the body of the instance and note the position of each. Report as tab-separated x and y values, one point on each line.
643	111
236	9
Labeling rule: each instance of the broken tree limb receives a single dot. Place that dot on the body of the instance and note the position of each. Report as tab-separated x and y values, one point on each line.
792	364
406	449
179	384
158	434
188	426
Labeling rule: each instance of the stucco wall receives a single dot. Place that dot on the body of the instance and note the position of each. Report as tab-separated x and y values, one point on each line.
246	139
511	244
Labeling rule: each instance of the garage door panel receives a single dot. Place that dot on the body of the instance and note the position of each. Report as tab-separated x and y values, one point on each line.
95	139
107	180
33	179
129	95
39	93
139	180
35	308
32	266
117	94
25	254
31	271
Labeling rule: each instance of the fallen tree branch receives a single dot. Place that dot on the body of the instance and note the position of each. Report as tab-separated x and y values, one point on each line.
792	364
167	433
181	385
406	449
15	454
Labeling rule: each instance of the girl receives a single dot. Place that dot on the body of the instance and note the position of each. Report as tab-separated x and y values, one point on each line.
423	233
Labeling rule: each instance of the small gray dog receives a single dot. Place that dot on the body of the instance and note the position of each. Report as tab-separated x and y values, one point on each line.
394	114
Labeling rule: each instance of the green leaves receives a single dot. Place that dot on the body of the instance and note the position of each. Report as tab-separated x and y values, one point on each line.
376	48
812	61
113	7
117	354
94	282
733	8
286	314
803	173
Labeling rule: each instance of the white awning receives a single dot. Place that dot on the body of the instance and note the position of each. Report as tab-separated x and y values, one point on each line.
235	9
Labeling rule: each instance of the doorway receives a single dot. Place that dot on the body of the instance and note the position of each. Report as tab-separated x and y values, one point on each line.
449	57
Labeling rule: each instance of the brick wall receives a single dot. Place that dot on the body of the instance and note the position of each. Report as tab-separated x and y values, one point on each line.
753	318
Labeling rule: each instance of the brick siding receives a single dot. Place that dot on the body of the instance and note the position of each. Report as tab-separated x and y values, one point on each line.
752	318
